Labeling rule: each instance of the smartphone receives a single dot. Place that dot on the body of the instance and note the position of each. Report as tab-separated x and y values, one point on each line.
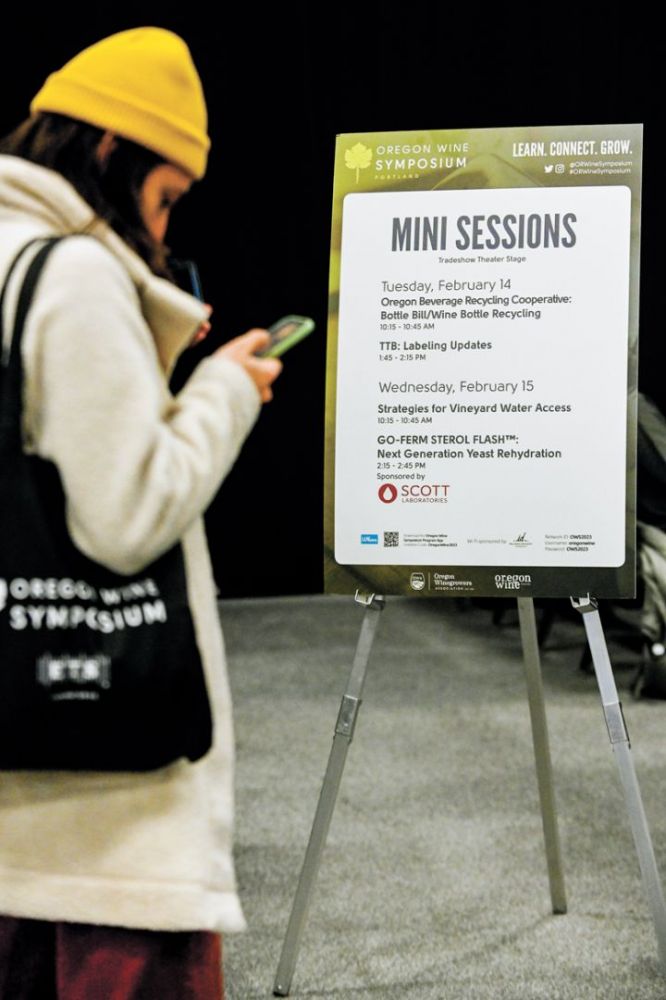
285	333
187	276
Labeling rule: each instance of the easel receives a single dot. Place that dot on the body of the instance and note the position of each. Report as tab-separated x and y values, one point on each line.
619	738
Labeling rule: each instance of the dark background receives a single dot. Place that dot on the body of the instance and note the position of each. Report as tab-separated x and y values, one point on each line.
280	84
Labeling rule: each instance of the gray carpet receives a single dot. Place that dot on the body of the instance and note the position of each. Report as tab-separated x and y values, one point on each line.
433	884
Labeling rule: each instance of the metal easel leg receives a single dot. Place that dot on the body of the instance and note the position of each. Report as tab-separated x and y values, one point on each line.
544	768
619	738
344	733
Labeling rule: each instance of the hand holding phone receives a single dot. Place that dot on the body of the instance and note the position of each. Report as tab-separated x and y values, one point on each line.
285	333
262	370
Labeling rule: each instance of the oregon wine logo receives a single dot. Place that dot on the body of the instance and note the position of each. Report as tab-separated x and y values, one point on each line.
512	581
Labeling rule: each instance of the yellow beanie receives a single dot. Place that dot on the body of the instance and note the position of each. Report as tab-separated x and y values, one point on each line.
141	84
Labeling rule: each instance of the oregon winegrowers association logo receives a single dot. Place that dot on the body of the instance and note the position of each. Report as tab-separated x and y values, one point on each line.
388	493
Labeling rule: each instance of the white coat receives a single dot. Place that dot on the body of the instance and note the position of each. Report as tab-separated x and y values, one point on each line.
138	467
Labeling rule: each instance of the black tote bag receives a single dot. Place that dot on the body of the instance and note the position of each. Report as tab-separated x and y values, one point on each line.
98	671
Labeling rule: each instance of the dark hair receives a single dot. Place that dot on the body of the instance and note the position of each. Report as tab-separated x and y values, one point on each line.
111	189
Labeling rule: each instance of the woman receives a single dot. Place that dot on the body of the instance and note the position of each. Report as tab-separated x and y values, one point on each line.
118	885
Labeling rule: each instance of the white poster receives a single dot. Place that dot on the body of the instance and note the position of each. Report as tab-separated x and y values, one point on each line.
482	362
482	377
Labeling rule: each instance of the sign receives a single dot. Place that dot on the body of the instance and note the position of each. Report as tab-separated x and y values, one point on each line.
481	388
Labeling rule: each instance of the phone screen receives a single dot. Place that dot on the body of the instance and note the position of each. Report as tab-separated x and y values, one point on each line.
286	332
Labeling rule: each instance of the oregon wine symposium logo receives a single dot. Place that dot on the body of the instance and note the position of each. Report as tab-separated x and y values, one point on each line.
359	157
401	161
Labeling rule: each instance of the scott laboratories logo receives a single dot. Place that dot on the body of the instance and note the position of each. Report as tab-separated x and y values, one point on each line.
387	493
415	493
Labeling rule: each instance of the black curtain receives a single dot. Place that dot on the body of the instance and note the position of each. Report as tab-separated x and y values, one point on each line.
280	84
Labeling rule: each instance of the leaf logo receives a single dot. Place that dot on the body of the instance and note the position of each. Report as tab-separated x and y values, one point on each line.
359	157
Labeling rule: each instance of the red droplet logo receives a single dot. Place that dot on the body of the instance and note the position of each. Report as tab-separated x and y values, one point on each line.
387	493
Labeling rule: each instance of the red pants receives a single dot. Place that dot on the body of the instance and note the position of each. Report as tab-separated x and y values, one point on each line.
40	960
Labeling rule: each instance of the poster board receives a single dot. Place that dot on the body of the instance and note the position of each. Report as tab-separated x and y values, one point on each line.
482	360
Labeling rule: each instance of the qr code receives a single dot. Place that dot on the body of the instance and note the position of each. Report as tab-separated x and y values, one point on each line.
391	538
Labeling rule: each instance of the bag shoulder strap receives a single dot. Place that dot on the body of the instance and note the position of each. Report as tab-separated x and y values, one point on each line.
11	362
6	342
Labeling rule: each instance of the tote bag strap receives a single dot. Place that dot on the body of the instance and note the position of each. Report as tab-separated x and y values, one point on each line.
11	367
